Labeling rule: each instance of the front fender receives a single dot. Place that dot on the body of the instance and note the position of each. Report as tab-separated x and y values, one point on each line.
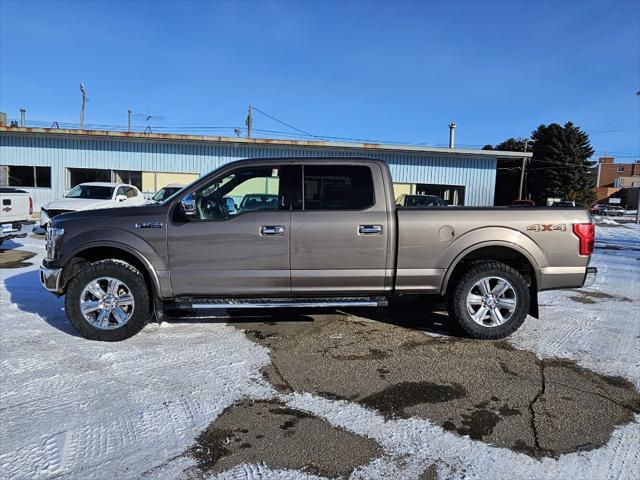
151	252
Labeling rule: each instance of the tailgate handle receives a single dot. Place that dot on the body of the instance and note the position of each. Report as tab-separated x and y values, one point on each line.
370	229
271	230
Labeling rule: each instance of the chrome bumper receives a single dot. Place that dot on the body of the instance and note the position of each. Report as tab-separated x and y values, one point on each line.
50	279
590	277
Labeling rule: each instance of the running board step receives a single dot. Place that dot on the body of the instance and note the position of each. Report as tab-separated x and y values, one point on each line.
206	303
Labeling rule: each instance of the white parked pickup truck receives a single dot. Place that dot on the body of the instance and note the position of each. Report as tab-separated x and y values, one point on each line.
92	195
16	207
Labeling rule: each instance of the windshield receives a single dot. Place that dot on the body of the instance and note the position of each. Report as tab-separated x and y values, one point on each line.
165	193
97	192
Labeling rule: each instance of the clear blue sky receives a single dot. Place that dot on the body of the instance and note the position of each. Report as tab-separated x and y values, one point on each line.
386	71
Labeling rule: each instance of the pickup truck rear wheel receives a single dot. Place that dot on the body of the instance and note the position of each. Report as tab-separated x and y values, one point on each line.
490	300
108	301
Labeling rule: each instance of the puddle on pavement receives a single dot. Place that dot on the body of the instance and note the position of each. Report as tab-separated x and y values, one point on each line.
586	296
281	437
489	391
15	258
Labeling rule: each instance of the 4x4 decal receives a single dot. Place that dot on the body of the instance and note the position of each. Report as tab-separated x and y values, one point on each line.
560	227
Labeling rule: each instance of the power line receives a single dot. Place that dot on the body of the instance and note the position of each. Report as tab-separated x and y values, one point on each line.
232	128
286	124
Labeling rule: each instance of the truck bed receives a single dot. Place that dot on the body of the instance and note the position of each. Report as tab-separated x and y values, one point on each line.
432	240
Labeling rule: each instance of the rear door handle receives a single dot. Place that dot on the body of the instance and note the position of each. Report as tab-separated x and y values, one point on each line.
271	230
370	229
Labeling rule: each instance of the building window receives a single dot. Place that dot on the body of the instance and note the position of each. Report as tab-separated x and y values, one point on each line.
83	175
332	187
31	176
620	169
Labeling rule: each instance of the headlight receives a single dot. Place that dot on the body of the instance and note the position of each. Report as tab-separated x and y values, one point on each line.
51	237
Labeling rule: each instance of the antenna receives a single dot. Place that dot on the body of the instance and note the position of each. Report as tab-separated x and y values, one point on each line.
84	100
148	118
249	121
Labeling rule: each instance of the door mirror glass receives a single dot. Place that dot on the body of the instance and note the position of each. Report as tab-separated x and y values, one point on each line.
188	206
120	198
232	208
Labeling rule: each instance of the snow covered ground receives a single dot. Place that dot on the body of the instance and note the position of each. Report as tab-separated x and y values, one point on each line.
70	408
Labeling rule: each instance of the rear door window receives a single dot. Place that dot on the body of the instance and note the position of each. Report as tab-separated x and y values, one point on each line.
337	187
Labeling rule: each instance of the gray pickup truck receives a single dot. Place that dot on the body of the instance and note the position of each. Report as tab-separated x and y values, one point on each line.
333	238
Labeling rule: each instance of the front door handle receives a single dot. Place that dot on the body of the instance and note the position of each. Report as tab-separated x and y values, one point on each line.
370	229
271	230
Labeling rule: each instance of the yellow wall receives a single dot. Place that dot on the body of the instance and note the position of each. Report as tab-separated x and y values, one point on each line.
154	181
163	179
403	189
148	182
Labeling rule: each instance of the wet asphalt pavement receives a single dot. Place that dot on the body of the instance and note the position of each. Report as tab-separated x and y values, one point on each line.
487	390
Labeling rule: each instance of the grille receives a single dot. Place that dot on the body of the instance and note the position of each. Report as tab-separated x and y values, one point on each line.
48	243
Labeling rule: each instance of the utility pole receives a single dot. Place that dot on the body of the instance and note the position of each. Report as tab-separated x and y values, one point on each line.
638	193
128	120
249	121
524	165
84	101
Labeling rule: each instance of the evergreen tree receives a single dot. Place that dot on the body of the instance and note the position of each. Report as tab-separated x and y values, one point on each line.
560	167
511	145
508	170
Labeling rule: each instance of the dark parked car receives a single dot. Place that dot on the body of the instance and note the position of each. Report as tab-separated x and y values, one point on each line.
259	202
420	201
613	211
598	209
165	192
523	203
564	204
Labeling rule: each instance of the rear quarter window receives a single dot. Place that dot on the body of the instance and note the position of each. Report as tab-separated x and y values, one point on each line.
338	187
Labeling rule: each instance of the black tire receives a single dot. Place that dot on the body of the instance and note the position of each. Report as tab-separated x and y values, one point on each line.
463	285
121	271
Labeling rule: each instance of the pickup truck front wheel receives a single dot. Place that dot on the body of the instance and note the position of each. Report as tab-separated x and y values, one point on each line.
490	300
108	301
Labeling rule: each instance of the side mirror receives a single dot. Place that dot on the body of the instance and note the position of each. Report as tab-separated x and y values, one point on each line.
231	206
120	198
188	206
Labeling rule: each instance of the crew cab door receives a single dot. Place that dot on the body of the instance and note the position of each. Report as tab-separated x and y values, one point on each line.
339	235
230	247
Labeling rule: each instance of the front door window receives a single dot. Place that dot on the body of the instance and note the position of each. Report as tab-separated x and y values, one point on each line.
245	190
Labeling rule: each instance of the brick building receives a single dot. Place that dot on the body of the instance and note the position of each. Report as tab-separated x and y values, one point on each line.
610	177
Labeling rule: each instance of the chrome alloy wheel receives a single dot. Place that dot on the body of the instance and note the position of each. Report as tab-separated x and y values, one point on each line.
107	303
491	301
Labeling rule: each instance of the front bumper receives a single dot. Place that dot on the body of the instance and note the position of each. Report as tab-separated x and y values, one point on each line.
50	279
590	277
